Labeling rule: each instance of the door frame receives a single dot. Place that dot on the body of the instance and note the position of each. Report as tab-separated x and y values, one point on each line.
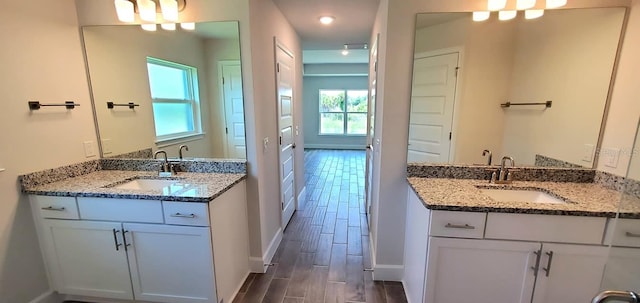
277	44
456	95
223	105
370	140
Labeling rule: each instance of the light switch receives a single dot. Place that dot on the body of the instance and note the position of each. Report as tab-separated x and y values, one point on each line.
106	146
89	149
587	153
611	157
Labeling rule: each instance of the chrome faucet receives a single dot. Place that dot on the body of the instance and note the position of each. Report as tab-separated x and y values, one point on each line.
503	175
166	168
484	153
180	150
618	296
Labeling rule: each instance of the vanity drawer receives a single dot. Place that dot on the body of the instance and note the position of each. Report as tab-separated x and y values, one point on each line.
624	232
185	213
56	207
547	228
123	210
457	224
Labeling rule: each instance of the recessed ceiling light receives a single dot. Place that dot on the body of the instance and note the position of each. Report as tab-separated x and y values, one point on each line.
345	51
326	20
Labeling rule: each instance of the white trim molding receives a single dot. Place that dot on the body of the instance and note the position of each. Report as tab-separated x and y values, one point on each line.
47	297
334	146
259	265
302	198
383	272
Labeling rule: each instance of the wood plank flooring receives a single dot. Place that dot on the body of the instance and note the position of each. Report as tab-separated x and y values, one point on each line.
325	247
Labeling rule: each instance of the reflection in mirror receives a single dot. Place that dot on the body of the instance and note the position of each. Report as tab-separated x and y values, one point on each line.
464	71
165	89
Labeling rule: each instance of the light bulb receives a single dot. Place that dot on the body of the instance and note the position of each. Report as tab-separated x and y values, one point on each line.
169	10
149	27
125	11
188	26
168	26
496	5
507	15
326	20
533	13
525	4
481	16
556	3
345	52
147	9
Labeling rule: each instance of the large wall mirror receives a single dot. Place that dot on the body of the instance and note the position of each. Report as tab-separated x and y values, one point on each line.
163	89
470	78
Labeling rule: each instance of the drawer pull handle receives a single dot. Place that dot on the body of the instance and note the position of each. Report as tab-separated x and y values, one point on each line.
115	239
54	208
179	215
547	270
632	235
466	226
535	268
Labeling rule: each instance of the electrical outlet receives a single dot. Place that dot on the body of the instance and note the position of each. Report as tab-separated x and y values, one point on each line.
611	157
89	149
297	130
587	152
106	146
265	144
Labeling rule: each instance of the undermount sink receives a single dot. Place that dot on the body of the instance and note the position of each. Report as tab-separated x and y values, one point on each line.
146	184
521	195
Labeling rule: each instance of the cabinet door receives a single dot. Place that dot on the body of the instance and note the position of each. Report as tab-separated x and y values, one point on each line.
480	271
569	273
170	263
623	269
86	259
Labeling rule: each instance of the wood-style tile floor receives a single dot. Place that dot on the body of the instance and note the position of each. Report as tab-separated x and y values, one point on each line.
325	247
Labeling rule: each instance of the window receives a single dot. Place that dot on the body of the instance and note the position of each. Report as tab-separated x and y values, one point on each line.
343	112
174	94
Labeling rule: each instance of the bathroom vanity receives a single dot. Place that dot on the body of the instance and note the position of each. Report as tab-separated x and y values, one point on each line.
130	235
463	243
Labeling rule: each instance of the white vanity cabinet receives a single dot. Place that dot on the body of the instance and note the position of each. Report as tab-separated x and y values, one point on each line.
145	250
499	257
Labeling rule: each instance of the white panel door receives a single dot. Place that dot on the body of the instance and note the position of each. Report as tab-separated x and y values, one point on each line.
88	258
172	264
285	75
569	273
480	271
432	101
234	109
371	115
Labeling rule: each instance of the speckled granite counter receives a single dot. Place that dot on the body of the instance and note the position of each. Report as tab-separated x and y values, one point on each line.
190	187
583	199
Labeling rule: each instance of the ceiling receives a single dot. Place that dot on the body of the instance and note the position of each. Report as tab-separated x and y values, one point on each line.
353	24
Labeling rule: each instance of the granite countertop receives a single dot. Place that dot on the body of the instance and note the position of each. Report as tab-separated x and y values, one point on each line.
189	187
582	199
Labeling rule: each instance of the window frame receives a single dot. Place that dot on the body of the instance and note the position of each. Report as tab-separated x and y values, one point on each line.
345	113
193	101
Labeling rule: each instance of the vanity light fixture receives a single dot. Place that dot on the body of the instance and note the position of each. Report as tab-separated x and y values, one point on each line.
149	27
556	3
507	15
169	10
168	26
188	26
326	20
147	10
481	16
533	13
345	51
496	5
525	4
125	10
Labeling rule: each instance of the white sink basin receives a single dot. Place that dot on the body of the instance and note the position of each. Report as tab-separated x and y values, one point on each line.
146	184
518	195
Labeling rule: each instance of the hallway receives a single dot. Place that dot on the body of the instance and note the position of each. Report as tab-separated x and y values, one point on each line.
325	247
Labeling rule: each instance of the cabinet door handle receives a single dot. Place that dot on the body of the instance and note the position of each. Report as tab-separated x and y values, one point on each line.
179	215
632	235
124	237
466	226
536	267
54	208
547	270
115	239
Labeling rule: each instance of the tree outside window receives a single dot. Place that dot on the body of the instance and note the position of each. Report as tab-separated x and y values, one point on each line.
343	112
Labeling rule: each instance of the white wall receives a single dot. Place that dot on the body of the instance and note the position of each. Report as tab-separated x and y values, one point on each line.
117	59
483	81
569	59
311	114
41	60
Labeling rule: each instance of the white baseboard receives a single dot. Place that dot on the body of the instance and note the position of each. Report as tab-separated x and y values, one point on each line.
302	198
335	146
383	272
47	297
259	265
